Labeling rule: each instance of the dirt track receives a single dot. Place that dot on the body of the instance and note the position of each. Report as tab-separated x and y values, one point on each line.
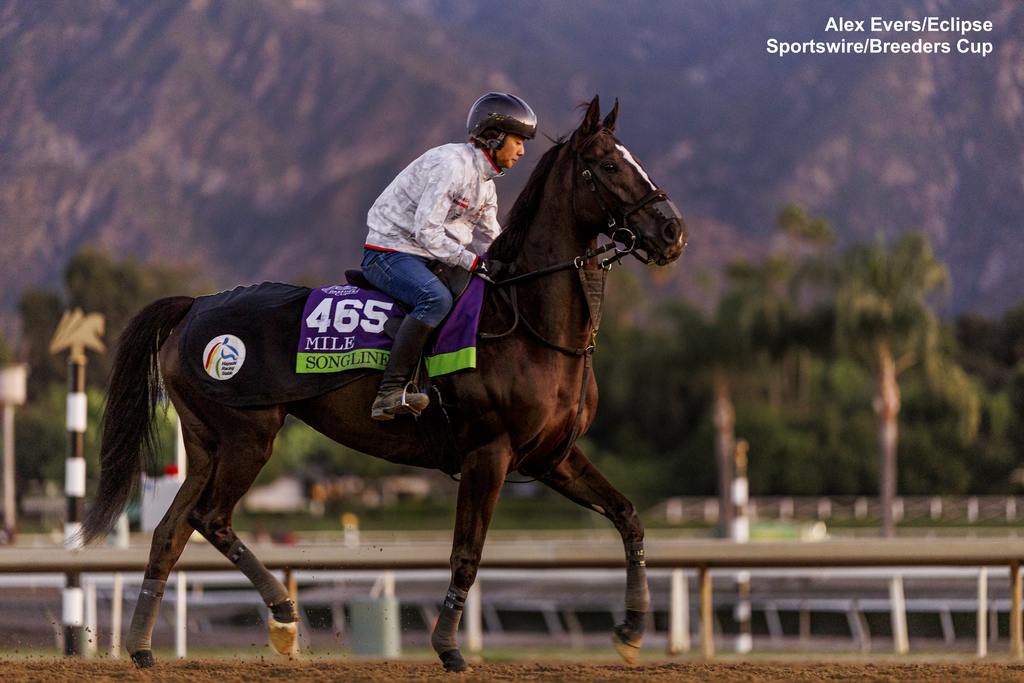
229	671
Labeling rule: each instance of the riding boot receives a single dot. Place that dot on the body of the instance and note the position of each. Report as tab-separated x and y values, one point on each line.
392	397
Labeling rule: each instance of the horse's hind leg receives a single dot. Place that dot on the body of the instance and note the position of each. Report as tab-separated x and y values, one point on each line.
169	539
236	466
578	480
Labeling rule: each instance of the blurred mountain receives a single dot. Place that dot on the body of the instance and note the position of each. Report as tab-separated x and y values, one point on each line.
248	138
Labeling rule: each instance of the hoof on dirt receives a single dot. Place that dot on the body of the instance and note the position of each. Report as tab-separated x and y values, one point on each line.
452	661
143	659
284	637
629	650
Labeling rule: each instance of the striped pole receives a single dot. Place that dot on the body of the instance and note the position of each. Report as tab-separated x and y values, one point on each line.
76	332
74	489
741	534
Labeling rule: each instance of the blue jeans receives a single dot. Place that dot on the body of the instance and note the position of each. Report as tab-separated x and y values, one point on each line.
407	278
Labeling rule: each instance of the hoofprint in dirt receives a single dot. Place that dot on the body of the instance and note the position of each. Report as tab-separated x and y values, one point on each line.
231	670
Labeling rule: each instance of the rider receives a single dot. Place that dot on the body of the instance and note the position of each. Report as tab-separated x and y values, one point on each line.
441	207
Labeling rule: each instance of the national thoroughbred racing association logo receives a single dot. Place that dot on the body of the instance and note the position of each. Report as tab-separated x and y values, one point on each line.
224	356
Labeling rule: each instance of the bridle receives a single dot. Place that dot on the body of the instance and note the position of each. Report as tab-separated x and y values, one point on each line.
656	200
593	287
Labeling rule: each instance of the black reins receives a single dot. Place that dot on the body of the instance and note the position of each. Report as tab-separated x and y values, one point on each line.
593	289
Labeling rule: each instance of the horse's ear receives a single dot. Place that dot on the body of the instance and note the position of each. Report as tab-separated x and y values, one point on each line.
609	121
592	119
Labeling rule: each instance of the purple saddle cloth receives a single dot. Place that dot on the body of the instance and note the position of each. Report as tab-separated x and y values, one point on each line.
274	343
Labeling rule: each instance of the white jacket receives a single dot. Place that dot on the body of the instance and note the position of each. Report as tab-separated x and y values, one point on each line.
441	206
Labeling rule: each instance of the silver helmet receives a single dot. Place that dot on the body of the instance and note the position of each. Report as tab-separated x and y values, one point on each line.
496	114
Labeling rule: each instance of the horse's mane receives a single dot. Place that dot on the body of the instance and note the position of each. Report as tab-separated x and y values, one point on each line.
510	242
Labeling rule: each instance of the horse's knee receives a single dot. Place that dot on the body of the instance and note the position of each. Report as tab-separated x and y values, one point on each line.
627	520
464	568
214	528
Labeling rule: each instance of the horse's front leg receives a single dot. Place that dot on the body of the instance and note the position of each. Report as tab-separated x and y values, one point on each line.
578	480
483	473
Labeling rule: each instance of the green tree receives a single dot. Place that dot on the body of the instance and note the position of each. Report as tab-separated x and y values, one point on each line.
884	318
96	282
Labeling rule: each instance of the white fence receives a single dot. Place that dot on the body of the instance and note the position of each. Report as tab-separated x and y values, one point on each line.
706	557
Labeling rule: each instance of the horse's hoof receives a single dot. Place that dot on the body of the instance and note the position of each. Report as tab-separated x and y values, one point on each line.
143	659
284	637
628	648
452	661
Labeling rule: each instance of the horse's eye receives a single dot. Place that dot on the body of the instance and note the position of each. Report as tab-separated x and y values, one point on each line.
609	166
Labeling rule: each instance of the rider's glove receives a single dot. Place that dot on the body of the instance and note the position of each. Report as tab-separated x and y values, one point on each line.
483	268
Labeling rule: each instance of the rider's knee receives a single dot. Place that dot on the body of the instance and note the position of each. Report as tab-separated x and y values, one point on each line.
433	303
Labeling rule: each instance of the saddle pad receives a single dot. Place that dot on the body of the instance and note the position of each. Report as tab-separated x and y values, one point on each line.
342	329
238	347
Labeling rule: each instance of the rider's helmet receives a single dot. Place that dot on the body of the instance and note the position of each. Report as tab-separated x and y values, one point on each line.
497	114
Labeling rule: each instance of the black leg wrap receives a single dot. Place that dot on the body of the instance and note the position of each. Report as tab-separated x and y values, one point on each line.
452	661
444	639
270	589
637	595
140	631
143	659
634	622
635	556
285	612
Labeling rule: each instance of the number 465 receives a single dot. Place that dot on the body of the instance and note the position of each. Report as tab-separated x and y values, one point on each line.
347	315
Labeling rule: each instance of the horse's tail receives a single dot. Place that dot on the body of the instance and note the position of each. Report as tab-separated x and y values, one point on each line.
128	435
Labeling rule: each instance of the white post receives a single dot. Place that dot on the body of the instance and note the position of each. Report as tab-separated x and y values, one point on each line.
898	606
181	617
10	511
679	614
13	380
474	621
116	606
983	612
117	591
180	457
91	637
741	534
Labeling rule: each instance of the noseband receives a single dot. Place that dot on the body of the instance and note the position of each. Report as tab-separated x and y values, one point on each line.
656	200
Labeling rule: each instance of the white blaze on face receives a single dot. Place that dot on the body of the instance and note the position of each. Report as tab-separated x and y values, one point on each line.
636	165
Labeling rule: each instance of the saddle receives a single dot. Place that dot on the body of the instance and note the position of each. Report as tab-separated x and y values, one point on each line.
434	426
454	278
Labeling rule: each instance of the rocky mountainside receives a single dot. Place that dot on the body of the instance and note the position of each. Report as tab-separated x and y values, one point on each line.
248	138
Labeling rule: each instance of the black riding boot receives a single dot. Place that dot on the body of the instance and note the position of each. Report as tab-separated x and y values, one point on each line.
392	398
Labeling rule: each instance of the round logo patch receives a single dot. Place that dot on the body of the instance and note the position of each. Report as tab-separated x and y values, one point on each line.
224	356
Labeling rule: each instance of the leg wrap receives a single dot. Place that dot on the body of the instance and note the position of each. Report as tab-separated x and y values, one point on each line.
270	589
637	596
140	633
445	636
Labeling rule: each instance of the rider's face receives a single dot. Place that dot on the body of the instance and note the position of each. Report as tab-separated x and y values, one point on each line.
509	154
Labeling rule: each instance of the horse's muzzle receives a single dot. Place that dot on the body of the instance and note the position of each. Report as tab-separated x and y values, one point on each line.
672	241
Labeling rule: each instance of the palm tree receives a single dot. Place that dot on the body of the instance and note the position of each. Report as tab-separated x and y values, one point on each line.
883	316
759	320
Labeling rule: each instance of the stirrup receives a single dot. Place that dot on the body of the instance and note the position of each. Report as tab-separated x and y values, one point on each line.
402	407
409	407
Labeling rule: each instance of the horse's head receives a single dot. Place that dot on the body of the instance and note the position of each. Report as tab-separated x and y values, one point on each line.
614	194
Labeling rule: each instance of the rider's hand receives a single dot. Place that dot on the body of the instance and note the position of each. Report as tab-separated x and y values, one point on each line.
483	269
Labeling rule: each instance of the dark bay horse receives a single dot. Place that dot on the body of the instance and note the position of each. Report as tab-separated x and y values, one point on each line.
532	395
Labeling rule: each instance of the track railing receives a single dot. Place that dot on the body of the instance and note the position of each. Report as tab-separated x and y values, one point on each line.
702	556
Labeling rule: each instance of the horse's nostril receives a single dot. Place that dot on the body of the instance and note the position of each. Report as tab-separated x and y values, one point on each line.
671	231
